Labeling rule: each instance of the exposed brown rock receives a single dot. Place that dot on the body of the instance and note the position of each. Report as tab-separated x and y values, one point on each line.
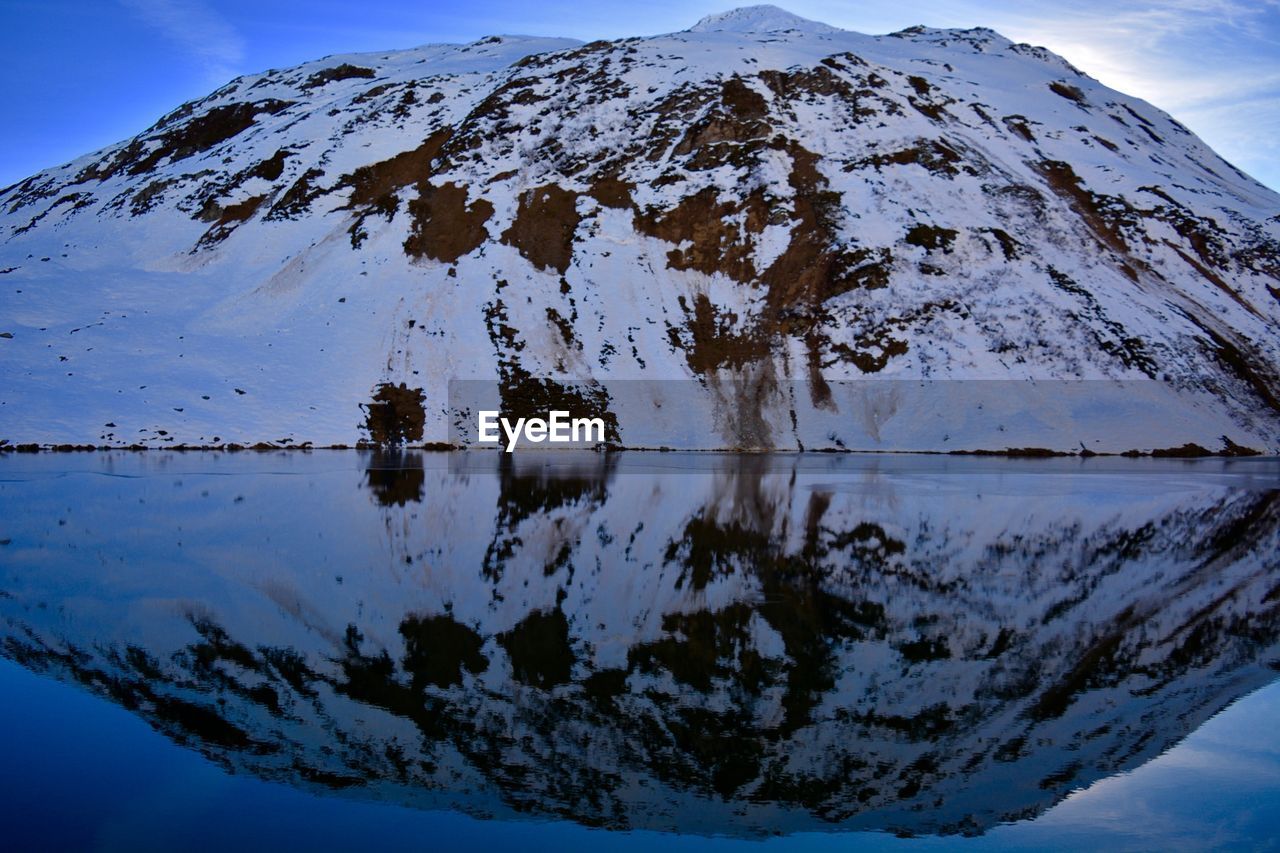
712	340
229	218
924	101
612	191
375	185
524	395
296	200
1239	358
819	80
672	116
934	155
931	237
396	414
345	71
1020	126
719	243
77	201
271	168
1071	93
1129	349
1203	235
1008	245
731	132
545	222
372	92
149	196
1064	181
871	352
1230	448
1216	280
375	188
199	134
1189	450
741	100
815	266
718	141
445	227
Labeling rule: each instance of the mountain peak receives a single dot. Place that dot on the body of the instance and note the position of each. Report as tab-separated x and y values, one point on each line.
758	19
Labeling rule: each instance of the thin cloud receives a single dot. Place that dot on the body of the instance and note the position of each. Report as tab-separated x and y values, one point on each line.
197	29
1212	63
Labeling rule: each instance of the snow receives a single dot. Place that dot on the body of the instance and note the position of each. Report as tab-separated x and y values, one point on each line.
759	19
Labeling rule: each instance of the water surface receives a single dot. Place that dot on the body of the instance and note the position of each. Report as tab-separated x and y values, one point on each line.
595	648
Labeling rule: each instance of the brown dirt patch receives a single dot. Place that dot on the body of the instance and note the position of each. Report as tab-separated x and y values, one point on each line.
612	191
375	188
933	155
230	218
1064	181
296	200
1071	93
814	268
270	169
395	414
199	134
376	184
445	227
870	352
1020	126
731	133
719	244
931	237
345	71
545	222
712	340
741	100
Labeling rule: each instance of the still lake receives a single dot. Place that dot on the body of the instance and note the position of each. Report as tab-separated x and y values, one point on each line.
703	651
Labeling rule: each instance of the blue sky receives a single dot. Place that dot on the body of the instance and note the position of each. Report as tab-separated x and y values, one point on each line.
80	74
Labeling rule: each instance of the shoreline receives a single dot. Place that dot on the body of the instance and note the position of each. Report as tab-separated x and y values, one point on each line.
1186	451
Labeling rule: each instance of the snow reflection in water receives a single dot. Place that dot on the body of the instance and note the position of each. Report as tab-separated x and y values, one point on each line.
700	643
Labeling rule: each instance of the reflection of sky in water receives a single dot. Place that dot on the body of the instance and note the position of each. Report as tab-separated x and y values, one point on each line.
65	784
708	643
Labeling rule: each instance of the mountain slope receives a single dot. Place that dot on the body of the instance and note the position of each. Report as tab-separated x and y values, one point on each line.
765	208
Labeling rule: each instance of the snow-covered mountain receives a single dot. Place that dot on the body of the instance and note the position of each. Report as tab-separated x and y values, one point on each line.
741	644
767	210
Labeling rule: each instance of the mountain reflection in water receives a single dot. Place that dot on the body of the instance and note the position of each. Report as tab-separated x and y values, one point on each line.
700	643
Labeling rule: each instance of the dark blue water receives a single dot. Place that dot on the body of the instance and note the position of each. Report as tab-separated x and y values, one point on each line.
704	651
